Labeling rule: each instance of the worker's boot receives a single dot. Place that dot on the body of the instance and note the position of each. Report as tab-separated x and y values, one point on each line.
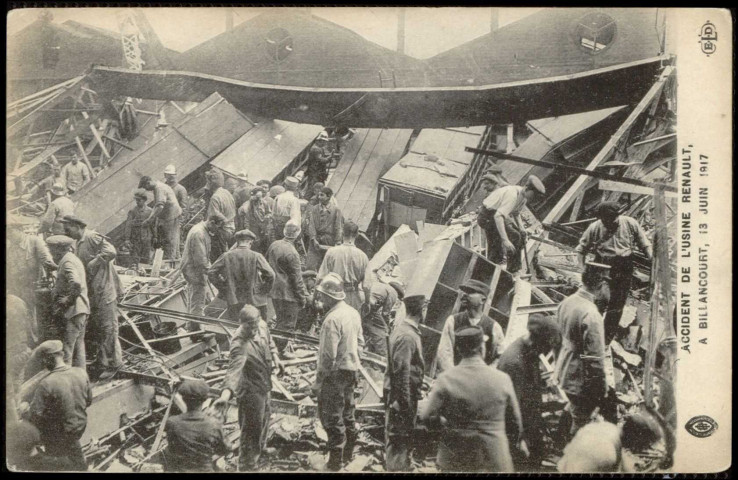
348	450
334	460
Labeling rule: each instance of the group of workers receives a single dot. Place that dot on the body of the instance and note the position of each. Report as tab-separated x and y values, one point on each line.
485	408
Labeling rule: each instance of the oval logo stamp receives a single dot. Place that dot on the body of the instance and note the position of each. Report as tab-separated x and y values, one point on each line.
701	426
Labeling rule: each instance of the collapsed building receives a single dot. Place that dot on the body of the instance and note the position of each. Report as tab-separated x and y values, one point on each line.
414	193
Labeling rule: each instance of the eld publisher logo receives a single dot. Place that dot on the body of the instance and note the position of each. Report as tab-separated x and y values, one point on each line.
708	38
701	426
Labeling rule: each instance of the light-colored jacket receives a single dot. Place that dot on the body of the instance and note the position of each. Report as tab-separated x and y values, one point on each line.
70	276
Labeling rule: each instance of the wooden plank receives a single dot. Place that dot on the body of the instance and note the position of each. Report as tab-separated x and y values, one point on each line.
84	156
611	186
518	324
99	139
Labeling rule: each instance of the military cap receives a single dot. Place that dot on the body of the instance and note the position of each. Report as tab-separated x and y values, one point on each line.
73	220
140	193
309	274
475	286
469	338
50	347
536	184
59	241
291	182
414	301
332	285
245	235
58	189
170	170
195	389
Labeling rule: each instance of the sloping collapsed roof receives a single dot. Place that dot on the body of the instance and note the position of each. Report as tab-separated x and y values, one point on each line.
191	139
265	150
367	156
436	161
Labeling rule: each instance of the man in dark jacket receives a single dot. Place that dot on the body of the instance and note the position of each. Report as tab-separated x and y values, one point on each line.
402	383
288	292
520	361
249	378
193	437
377	313
242	276
256	215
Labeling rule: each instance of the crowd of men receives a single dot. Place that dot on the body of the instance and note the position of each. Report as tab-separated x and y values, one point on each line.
484	410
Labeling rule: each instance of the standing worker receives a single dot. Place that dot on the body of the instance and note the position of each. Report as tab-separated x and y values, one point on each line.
288	292
249	378
325	227
477	408
318	160
501	222
580	365
164	217
256	215
243	275
97	255
274	192
287	206
75	174
349	263
194	438
170	178
402	383
520	361
471	314
613	238
243	191
59	207
221	202
196	262
341	342
71	303
27	259
59	407
137	235
377	315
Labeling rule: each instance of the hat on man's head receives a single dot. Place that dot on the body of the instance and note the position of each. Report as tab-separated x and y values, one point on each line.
537	185
491	177
543	325
332	285
475	286
469	338
291	182
399	288
141	193
256	190
245	234
170	170
73	220
414	302
218	217
50	347
322	136
600	269
195	389
266	183
59	241
292	229
309	274
276	190
608	209
58	190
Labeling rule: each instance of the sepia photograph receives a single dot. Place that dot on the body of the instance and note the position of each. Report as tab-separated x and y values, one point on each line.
368	239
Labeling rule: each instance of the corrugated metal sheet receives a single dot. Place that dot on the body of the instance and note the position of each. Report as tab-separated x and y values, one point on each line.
190	141
267	149
367	156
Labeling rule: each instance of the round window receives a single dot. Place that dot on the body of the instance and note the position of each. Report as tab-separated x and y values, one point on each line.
595	32
278	44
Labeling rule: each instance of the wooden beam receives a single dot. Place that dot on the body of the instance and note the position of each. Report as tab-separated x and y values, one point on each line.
96	134
622	187
655	139
84	156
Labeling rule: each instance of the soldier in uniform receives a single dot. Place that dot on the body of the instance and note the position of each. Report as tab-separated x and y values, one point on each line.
349	263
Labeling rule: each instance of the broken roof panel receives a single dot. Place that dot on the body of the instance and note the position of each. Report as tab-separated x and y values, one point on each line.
434	175
266	150
367	156
190	140
448	143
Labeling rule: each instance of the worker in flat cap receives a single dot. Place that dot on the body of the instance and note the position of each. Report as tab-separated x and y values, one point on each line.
170	178
377	312
75	174
319	158
350	263
288	292
104	286
287	207
61	205
196	262
252	362
580	365
471	313
71	302
222	202
256	215
613	239
138	236
242	276
478	409
27	261
307	318
59	406
325	227
501	222
403	380
341	343
165	216
194	438
520	361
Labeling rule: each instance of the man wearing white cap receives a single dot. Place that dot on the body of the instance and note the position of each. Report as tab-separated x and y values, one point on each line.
165	216
170	178
221	202
287	207
59	207
318	160
75	174
341	342
500	219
